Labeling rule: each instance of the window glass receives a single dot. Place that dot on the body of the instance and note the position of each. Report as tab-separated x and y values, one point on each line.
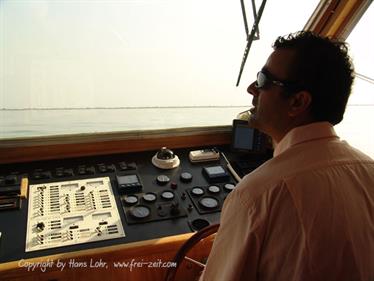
79	66
356	128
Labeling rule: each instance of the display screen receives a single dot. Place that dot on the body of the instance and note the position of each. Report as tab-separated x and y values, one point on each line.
216	170
243	137
128	179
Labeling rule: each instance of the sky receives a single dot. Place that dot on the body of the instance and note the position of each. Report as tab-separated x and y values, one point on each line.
361	45
124	53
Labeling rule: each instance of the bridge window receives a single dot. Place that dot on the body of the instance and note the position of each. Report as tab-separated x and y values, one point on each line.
71	67
355	127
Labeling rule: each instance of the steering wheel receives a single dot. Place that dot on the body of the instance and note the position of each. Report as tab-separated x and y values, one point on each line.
186	247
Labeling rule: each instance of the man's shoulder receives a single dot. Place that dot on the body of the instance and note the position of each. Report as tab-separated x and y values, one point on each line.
266	178
297	162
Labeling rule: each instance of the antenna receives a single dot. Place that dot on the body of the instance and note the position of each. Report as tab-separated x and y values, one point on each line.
254	35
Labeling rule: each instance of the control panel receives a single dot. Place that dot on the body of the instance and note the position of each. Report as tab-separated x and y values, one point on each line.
153	206
207	199
100	201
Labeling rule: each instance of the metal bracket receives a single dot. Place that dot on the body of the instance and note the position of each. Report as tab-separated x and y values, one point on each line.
253	35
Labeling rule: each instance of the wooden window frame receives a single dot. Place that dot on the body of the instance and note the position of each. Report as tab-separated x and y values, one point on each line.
67	146
337	18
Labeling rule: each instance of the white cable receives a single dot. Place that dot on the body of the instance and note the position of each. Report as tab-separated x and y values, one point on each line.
231	169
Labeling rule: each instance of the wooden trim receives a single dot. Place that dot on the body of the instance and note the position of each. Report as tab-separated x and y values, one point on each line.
351	18
26	150
130	250
336	18
155	250
321	16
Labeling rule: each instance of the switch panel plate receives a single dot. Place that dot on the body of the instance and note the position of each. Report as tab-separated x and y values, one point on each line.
71	212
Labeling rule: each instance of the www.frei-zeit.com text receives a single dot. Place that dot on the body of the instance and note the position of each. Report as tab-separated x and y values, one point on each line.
72	263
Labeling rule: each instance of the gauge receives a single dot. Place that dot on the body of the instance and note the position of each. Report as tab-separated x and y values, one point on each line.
229	187
162	179
149	197
131	199
140	212
186	177
208	202
197	191
214	189
167	195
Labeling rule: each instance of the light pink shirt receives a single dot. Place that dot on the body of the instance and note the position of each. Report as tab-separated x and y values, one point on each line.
307	214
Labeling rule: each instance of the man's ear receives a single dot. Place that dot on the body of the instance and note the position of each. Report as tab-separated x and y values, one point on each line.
299	103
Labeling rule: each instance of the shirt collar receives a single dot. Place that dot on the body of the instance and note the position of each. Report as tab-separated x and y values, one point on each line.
313	131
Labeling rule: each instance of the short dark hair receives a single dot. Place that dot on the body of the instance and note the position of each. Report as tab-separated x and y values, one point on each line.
323	67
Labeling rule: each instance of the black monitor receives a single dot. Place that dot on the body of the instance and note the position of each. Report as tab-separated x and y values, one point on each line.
245	138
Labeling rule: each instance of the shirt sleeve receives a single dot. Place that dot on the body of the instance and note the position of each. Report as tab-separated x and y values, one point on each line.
236	248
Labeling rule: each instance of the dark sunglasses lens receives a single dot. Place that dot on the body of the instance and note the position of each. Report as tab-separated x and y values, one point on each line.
261	80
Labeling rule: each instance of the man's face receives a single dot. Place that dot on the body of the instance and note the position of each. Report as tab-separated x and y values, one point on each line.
270	111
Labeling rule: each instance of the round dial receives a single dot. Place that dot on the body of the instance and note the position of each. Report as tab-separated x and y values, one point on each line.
197	191
208	202
186	177
131	199
149	197
162	179
214	189
229	186
140	212
168	195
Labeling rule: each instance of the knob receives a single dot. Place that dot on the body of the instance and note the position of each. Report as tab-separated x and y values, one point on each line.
186	177
161	211
190	207
40	226
183	196
162	179
174	209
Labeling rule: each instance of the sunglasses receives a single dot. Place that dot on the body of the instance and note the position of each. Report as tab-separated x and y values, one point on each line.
264	78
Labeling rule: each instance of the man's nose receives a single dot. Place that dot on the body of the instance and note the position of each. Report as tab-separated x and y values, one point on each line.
252	89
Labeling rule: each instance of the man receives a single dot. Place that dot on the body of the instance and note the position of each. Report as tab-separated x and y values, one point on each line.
308	213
